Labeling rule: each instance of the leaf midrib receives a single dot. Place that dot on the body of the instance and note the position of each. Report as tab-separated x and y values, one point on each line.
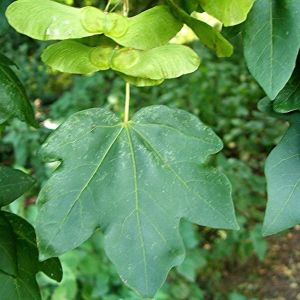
137	209
271	46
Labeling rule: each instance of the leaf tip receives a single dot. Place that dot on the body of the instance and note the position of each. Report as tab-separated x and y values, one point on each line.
266	231
236	226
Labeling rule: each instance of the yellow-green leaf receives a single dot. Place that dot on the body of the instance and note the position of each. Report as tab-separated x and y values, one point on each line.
96	21
77	58
229	12
46	20
49	20
165	62
207	35
152	28
157	64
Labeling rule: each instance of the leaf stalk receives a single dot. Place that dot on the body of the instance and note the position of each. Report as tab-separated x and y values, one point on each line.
127	88
125	8
127	103
107	6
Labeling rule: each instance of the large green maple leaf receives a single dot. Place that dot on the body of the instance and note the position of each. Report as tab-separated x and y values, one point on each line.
135	181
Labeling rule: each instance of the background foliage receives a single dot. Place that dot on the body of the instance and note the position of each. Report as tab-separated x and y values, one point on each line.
222	94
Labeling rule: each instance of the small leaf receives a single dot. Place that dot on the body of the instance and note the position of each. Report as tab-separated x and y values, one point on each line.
13	98
207	35
135	181
265	105
165	62
270	27
13	184
283	178
20	260
259	243
46	20
289	97
52	268
229	12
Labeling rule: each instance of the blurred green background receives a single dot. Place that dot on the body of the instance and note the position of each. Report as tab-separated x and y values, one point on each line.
219	264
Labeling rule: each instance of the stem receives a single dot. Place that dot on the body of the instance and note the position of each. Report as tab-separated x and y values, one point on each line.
127	102
115	6
125	8
127	96
107	6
